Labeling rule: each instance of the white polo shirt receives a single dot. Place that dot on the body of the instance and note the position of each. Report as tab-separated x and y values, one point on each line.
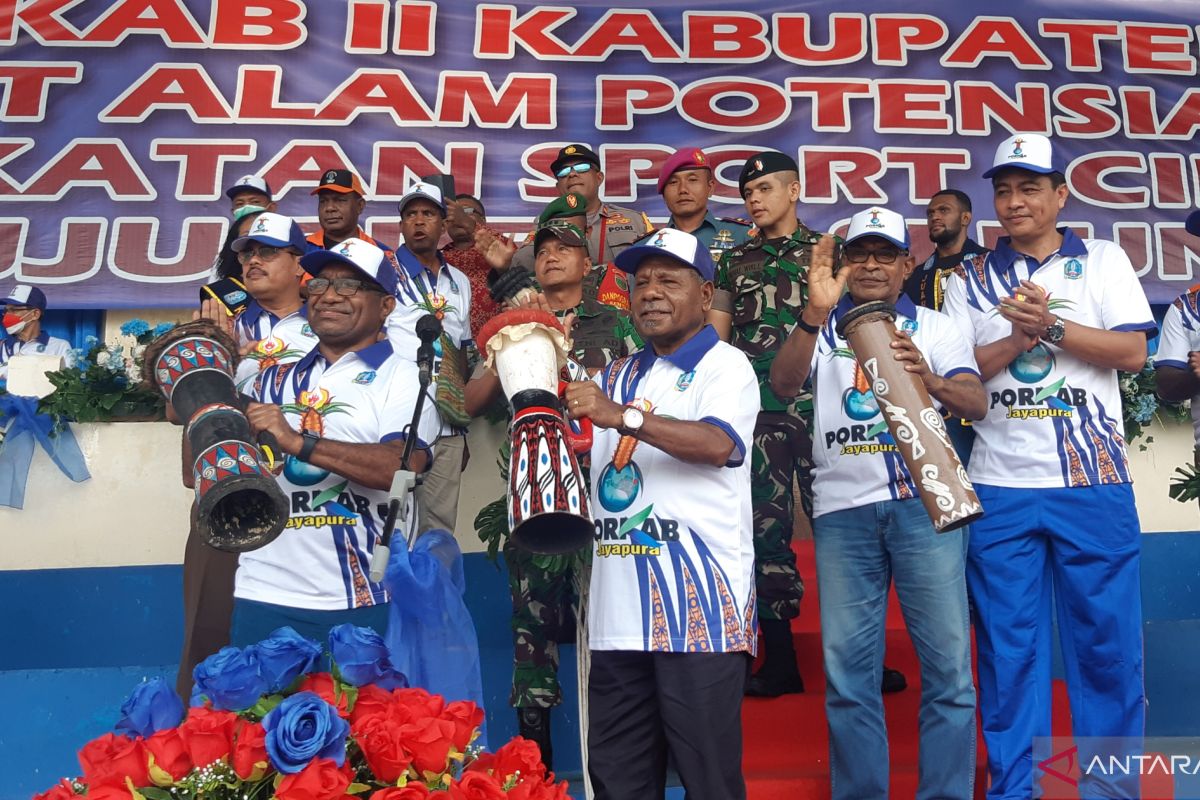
418	292
322	559
42	344
277	340
855	458
673	566
1053	419
1180	336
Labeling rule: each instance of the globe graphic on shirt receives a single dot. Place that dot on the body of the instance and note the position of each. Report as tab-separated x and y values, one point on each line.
618	488
1032	366
302	473
859	405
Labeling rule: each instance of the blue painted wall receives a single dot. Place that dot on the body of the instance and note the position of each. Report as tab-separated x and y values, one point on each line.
74	642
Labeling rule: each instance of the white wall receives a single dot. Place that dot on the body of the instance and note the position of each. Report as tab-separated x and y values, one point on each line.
134	510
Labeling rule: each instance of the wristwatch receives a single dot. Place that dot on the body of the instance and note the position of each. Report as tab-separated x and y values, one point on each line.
632	420
310	444
1055	331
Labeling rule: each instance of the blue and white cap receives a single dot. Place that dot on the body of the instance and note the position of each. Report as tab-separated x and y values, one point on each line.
1193	223
366	257
1030	151
877	221
248	183
676	244
423	191
273	229
26	296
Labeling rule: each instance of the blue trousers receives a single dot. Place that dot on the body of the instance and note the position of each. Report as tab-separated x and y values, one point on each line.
254	621
859	552
1082	548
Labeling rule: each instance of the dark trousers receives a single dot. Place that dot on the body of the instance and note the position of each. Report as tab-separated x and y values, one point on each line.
643	705
207	604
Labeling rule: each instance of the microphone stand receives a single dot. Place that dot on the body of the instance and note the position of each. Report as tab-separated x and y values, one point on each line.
404	482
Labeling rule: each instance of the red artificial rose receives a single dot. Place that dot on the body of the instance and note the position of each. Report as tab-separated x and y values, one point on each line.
208	734
520	755
110	759
466	717
414	791
59	791
538	790
420	701
322	685
380	739
477	786
429	740
322	779
109	792
249	750
371	700
170	754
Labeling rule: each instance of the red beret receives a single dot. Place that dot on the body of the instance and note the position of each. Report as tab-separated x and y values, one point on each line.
687	158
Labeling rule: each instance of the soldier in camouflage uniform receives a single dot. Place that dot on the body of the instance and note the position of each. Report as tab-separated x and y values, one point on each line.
545	589
761	290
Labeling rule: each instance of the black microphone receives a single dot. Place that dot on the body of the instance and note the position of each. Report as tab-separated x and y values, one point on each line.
429	328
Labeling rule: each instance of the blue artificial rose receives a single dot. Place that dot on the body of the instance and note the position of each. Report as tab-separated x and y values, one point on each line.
151	707
230	678
302	728
135	327
162	328
362	657
285	656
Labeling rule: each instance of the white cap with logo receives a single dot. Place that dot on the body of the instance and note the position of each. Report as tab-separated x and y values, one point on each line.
1029	151
877	221
423	191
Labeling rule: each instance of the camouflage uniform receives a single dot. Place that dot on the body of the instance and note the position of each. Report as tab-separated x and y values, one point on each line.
545	589
763	284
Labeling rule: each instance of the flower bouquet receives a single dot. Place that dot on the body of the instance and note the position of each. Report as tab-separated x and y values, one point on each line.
265	722
1141	404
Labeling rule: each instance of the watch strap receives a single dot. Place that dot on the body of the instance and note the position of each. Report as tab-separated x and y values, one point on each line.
310	444
804	326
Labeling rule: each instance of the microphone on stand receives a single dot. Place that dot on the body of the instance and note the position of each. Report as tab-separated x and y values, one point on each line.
428	328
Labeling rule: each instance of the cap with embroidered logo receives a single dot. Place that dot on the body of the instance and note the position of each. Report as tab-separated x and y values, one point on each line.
881	222
423	191
684	158
767	162
273	229
365	257
564	207
248	183
1028	151
342	181
566	232
26	296
574	152
672	243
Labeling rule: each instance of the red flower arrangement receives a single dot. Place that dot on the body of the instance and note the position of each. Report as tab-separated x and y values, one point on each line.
307	736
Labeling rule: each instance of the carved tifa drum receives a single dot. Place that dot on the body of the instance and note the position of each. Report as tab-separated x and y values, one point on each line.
547	497
240	506
911	417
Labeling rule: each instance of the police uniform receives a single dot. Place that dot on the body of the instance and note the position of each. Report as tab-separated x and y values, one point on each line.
609	233
764	285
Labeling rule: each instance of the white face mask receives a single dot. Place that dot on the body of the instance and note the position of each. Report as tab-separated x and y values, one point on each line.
13	324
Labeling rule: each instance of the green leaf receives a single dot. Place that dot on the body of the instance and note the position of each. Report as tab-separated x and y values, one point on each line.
155	793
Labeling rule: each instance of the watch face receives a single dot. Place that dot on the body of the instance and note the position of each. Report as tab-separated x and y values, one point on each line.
632	418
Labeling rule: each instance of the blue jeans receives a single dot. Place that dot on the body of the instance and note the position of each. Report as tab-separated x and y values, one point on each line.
859	552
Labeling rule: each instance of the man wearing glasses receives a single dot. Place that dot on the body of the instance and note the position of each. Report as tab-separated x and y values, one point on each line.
869	526
340	415
610	229
23	310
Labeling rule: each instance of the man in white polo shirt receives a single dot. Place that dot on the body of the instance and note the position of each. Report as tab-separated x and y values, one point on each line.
1177	362
671	622
427	284
23	310
340	414
869	526
1052	318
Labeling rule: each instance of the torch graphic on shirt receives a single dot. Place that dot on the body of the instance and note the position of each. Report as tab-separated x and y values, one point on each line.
627	444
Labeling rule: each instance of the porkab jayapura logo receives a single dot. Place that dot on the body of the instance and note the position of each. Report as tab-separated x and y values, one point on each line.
1017	152
260	226
1113	767
874	221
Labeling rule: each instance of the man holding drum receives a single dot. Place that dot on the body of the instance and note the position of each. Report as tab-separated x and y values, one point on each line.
869	527
671	621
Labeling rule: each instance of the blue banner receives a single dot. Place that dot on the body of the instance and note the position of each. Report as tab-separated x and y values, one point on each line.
122	122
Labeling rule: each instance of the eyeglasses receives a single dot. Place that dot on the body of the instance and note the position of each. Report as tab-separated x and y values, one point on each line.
469	210
264	253
859	255
581	168
345	287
